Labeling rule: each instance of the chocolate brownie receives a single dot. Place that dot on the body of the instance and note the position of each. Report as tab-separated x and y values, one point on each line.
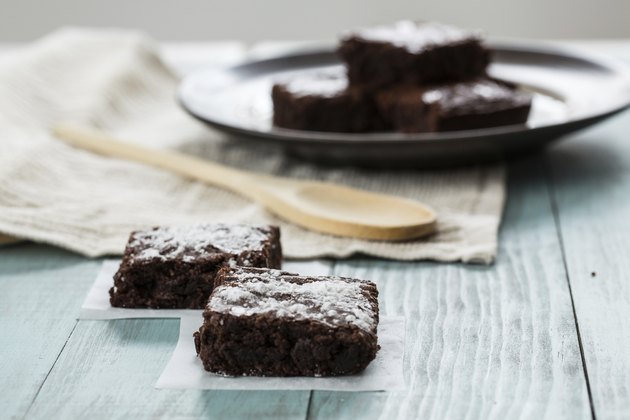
263	322
322	101
474	104
412	53
175	267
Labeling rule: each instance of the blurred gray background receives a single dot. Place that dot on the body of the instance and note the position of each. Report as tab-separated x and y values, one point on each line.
25	20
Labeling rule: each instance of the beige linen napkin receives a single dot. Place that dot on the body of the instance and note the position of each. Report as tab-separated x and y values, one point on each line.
52	193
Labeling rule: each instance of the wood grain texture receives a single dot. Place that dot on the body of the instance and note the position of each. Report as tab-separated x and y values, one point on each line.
109	369
482	342
42	289
591	180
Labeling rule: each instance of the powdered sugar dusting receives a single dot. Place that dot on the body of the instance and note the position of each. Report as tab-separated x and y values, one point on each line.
191	242
481	94
327	83
415	36
330	300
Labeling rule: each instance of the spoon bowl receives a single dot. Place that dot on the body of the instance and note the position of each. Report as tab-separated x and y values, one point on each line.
345	211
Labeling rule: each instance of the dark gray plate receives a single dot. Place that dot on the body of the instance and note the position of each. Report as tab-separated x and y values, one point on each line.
571	91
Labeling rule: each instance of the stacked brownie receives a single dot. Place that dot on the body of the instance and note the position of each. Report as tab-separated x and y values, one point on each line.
258	320
409	77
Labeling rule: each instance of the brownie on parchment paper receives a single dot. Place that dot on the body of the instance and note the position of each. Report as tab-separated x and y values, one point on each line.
477	103
262	322
175	267
322	101
412	53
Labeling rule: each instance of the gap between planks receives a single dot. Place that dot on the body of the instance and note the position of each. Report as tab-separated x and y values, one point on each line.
28	410
556	218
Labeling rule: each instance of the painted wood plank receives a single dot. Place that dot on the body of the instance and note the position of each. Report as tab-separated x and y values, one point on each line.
111	367
42	289
482	342
591	181
37	319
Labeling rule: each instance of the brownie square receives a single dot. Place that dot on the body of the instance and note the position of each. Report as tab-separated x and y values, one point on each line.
264	322
412	53
322	101
175	267
478	103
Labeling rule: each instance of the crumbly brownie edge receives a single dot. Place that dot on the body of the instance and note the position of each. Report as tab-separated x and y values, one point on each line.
144	285
265	345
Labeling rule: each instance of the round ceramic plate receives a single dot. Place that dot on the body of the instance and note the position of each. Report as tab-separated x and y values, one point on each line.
571	91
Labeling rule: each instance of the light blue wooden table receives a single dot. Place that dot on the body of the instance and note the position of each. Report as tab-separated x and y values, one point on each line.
544	333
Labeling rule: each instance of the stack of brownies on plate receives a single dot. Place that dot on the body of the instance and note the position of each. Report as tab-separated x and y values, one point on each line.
410	77
258	320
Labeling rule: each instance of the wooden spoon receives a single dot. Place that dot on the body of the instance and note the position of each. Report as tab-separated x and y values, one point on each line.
319	206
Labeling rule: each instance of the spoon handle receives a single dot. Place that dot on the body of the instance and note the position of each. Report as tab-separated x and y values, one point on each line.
318	206
99	142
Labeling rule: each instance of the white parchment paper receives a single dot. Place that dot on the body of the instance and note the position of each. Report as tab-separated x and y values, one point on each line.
96	304
385	373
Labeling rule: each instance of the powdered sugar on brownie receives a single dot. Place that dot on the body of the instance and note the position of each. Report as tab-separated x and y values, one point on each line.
327	83
415	37
333	301
191	242
481	95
